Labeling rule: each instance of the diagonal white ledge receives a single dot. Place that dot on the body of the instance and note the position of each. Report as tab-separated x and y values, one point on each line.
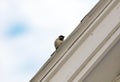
85	47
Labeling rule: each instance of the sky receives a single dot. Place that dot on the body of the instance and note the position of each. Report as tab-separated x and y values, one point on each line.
28	29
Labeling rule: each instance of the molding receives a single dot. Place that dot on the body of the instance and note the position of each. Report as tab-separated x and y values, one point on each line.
88	30
97	57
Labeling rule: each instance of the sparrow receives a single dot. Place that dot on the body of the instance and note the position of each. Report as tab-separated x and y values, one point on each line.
59	41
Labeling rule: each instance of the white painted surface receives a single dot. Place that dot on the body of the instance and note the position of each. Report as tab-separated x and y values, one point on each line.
85	50
91	53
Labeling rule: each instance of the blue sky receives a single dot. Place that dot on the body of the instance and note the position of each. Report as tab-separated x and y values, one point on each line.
28	29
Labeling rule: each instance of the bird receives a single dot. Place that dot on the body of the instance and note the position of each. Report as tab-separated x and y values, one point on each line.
59	41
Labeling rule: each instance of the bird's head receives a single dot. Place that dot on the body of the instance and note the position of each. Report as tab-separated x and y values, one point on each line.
61	37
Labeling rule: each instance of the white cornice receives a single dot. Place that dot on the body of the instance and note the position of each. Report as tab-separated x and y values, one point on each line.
85	47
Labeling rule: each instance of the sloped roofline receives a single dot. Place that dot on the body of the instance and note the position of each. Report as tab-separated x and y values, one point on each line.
82	31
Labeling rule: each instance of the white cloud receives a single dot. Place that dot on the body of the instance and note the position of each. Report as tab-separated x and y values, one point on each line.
45	19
